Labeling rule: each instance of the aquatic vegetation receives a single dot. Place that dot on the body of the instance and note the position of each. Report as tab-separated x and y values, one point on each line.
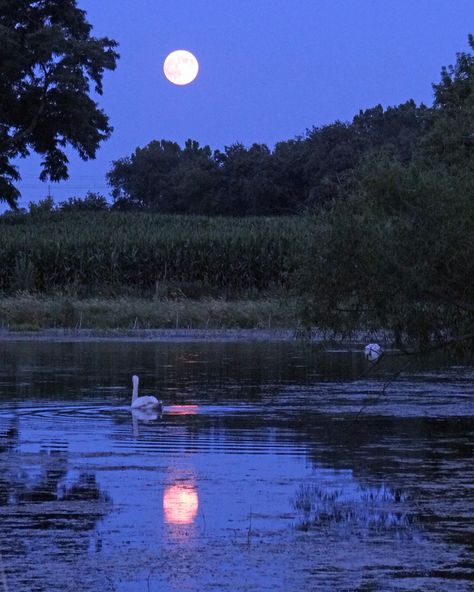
365	508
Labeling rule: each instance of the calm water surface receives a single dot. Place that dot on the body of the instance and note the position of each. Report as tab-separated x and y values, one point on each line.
273	467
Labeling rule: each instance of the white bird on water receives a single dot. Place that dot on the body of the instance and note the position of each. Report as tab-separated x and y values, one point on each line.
373	352
147	402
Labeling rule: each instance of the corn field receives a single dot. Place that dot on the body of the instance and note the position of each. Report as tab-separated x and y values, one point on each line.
110	253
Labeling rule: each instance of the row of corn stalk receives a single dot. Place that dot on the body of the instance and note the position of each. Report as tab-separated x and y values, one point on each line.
100	250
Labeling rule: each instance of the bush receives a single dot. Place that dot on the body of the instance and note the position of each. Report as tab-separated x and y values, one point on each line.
92	202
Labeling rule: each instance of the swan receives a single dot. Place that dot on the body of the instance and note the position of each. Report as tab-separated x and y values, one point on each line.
373	352
147	402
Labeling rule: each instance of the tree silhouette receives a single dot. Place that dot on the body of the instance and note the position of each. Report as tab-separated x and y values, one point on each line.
48	62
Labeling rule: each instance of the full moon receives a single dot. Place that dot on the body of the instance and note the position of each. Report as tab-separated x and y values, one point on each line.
181	67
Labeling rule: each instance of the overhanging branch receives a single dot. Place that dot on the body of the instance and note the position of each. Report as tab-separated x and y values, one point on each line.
21	135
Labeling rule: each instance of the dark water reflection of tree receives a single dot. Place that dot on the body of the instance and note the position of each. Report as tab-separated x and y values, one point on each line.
35	496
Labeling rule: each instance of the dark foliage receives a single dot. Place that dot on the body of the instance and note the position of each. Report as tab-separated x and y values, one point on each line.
48	62
238	181
92	202
399	253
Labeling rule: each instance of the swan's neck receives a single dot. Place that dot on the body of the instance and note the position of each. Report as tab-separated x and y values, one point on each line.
135	388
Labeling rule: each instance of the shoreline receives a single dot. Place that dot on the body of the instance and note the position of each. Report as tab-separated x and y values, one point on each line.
184	336
148	335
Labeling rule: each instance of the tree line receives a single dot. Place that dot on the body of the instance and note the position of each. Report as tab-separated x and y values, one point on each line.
50	63
297	176
250	181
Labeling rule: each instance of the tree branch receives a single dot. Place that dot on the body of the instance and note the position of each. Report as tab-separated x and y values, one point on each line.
21	135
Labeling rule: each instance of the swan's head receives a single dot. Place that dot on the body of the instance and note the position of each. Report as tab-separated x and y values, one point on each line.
135	380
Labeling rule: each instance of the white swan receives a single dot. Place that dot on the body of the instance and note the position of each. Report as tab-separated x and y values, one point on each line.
147	402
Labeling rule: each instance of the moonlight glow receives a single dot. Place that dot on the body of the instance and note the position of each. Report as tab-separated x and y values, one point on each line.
180	504
181	67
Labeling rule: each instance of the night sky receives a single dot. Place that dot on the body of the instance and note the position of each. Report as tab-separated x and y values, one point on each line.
269	69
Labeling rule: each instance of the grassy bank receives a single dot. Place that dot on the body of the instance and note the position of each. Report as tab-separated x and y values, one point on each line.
25	312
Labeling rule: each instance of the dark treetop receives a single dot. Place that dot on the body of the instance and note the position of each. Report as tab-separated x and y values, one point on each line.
48	62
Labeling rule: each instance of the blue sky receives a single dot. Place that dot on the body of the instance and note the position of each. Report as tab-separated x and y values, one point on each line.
269	69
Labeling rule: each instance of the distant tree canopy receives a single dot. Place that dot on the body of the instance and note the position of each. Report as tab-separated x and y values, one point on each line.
242	181
450	136
48	61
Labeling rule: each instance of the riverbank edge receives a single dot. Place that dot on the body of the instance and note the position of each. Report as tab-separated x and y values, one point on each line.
185	335
138	335
34	313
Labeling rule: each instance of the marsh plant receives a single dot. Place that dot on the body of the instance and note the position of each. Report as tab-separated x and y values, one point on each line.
379	509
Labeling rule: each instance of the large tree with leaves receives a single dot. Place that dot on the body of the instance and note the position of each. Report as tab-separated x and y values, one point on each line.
450	139
50	64
398	253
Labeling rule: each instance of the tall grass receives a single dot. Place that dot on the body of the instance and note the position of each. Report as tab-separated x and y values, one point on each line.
112	253
32	312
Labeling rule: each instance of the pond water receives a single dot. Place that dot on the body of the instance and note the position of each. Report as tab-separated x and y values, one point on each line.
274	467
